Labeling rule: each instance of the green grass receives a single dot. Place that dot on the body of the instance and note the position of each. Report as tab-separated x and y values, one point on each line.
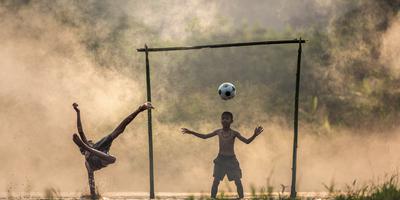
388	190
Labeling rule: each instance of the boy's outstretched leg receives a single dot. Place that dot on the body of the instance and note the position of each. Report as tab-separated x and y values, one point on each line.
214	188
239	188
79	123
121	127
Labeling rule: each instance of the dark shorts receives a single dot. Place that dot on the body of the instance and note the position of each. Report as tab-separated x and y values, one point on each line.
228	165
103	145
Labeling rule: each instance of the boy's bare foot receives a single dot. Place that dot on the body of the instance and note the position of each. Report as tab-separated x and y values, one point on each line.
146	106
75	106
185	131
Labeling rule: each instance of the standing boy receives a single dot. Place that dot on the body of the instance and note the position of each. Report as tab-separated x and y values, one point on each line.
226	162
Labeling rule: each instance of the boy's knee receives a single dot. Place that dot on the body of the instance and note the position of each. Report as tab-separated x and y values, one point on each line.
216	181
238	182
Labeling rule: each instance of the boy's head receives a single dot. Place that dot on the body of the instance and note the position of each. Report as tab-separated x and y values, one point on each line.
226	119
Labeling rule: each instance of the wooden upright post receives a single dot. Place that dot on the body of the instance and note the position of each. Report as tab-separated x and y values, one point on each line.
296	120
150	127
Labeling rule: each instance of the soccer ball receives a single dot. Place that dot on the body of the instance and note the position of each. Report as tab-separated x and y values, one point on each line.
227	91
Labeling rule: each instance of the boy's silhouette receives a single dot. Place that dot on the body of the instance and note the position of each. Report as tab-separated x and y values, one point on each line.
96	154
226	162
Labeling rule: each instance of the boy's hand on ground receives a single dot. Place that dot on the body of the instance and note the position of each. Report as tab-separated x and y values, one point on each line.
258	130
146	106
186	131
75	106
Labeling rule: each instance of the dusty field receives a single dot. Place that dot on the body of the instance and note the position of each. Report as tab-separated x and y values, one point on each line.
132	196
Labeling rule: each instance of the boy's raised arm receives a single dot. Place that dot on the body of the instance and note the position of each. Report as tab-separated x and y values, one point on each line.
257	131
202	136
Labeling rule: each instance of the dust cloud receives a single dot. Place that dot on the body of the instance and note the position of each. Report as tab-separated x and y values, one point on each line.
55	53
